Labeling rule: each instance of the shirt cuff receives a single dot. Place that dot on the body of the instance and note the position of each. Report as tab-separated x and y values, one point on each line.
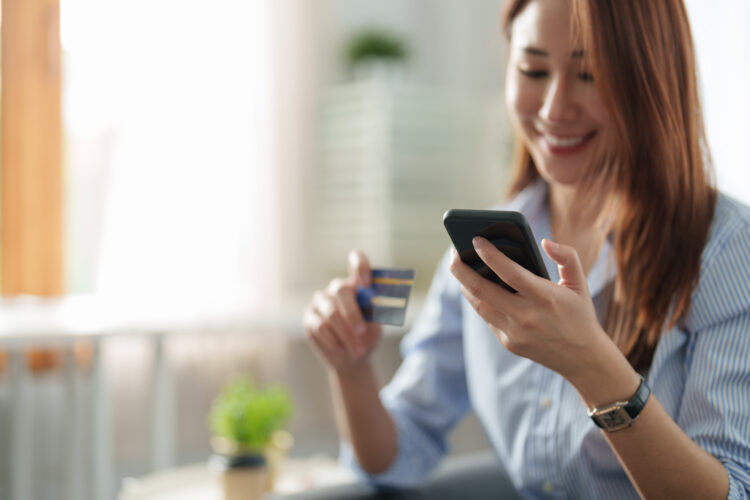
410	467
737	491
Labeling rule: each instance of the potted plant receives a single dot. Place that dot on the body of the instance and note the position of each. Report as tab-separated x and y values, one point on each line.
245	423
375	52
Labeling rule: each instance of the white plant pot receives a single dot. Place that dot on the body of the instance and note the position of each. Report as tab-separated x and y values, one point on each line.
243	477
379	70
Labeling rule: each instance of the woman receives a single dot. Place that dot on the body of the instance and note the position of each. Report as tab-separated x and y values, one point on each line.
650	277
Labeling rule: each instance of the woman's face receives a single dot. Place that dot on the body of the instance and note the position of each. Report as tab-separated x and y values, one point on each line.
553	101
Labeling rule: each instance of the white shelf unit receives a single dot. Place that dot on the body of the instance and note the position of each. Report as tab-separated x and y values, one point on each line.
394	157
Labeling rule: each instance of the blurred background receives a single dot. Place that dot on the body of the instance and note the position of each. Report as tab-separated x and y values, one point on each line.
179	176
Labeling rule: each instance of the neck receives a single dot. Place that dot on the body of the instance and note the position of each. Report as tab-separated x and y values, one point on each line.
568	209
574	221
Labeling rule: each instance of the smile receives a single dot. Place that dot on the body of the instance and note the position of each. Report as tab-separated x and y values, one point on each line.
566	145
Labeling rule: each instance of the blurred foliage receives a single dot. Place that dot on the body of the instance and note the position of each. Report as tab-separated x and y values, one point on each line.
375	43
248	416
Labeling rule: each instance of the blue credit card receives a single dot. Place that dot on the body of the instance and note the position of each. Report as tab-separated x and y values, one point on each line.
385	300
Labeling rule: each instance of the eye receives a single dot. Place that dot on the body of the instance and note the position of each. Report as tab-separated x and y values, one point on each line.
535	74
586	77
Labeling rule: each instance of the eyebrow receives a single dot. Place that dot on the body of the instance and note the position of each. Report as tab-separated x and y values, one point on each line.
576	54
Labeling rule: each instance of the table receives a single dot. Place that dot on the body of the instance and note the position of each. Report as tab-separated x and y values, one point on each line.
199	482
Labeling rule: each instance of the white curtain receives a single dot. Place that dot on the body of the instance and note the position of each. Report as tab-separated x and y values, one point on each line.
184	92
722	40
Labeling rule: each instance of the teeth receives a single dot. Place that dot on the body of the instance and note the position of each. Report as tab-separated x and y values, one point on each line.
566	142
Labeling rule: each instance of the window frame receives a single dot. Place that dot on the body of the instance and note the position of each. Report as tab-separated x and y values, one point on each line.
31	174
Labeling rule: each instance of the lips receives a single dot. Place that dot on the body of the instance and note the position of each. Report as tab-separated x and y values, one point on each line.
565	144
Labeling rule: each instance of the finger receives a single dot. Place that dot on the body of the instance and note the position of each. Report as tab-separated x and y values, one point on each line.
351	312
343	293
512	273
483	289
499	323
568	265
327	344
335	322
329	338
332	318
507	341
360	272
324	349
320	334
488	313
373	331
310	320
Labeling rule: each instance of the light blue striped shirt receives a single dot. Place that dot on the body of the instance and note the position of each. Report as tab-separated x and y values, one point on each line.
534	419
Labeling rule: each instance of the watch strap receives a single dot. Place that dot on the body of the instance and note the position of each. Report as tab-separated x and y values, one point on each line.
638	401
606	417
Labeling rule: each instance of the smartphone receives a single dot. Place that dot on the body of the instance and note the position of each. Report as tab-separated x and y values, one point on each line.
508	231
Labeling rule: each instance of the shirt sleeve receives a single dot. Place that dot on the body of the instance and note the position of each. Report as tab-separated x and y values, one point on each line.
428	394
715	410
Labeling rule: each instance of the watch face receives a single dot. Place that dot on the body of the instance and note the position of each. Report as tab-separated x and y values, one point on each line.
614	418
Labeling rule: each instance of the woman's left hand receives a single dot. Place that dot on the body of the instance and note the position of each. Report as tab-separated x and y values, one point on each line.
553	324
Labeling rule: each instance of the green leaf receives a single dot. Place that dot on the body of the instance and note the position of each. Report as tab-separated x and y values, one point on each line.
249	416
375	43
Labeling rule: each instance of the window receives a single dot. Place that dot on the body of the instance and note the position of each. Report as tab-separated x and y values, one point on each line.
722	44
168	113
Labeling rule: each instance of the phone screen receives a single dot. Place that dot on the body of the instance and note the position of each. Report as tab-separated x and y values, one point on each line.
507	231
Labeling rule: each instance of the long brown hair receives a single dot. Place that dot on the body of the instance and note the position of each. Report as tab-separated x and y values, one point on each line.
660	178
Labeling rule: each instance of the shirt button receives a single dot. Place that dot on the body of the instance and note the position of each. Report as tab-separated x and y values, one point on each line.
545	403
548	487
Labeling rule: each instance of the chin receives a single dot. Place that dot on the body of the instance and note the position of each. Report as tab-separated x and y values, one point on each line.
562	173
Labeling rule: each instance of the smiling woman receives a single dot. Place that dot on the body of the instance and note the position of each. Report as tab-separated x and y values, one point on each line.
644	322
650	157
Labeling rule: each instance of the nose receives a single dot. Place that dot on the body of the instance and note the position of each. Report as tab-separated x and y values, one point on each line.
559	104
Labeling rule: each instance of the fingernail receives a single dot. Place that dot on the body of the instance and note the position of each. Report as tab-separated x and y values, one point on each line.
360	329
478	242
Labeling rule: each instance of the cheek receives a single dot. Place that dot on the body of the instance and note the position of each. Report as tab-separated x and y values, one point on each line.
522	100
599	114
511	93
596	109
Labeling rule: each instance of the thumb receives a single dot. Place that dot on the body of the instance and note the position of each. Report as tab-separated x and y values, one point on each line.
360	272
568	265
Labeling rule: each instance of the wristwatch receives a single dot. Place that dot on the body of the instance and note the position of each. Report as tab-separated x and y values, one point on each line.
622	414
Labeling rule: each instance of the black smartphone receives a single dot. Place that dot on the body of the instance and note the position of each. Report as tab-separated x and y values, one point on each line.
508	231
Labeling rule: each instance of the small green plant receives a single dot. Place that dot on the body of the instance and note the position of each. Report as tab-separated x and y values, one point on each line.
247	416
375	43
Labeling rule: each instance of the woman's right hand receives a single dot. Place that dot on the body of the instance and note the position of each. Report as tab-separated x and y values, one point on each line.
333	321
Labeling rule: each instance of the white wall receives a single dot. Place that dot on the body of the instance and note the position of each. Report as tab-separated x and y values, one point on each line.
455	44
722	39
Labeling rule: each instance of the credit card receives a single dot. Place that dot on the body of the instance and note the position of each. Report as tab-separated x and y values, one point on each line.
385	300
